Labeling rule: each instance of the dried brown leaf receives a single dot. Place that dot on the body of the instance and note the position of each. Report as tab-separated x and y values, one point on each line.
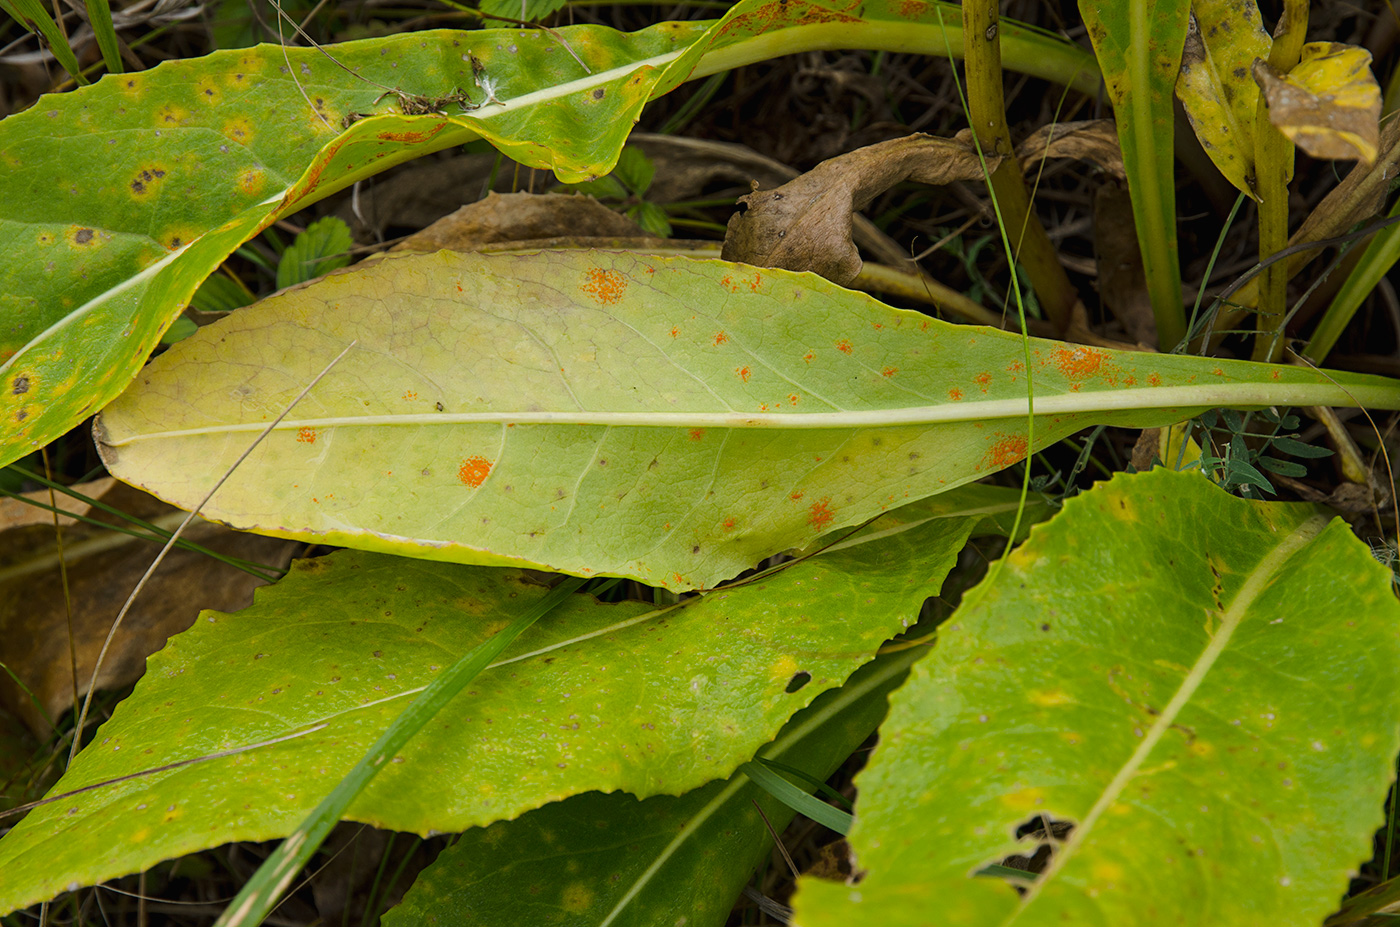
102	570
806	223
17	513
519	216
1092	140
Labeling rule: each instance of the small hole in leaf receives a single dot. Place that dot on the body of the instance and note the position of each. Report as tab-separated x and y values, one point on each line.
798	681
1043	836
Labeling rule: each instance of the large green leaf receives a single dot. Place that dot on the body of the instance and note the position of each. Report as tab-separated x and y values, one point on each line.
120	198
1200	685
668	419
1138	44
609	859
596	696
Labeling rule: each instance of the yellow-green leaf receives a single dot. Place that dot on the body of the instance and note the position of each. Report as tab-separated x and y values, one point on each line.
127	194
1330	104
669	419
1189	684
1214	85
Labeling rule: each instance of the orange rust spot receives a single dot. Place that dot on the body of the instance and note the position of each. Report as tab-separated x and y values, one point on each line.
756	282
923	326
797	495
1218	372
1274	374
743	373
820	513
889	371
728	284
474	471
1006	452
721	338
763	407
697	434
877	325
844	346
1155	380
1015	367
306	436
912	9
983	380
729	524
606	286
409	396
808	356
459	288
792	398
675	331
1078	362
251	182
412	138
1130	381
680	580
955	394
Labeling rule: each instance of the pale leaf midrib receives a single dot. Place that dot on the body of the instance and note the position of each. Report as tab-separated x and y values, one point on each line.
1230	395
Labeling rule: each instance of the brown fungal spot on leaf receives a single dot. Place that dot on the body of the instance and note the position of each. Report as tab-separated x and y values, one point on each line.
20	385
806	224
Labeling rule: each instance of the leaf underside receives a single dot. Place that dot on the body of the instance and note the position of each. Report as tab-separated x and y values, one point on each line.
668	419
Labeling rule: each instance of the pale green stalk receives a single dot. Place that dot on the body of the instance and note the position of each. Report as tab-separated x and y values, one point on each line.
1273	168
1030	245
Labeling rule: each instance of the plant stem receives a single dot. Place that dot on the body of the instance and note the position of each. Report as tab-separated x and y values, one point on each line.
1025	50
1031	246
1273	166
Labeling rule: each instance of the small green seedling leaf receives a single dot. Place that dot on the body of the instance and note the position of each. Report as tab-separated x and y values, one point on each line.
530	11
652	218
1161	673
221	293
1299	449
635	170
323	247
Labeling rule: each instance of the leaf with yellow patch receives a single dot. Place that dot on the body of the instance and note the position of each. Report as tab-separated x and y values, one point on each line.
1330	104
1152	683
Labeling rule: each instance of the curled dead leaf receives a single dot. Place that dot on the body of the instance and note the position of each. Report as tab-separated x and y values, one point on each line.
1329	105
519	216
1092	140
806	223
